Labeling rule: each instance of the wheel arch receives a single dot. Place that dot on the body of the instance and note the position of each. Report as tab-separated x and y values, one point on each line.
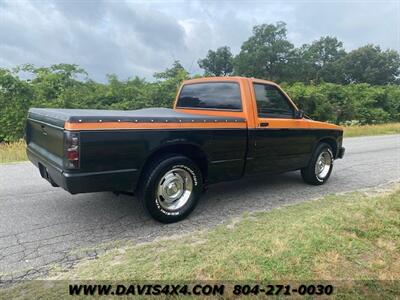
331	141
192	151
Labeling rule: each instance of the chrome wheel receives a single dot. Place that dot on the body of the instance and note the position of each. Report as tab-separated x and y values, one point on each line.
174	189
323	164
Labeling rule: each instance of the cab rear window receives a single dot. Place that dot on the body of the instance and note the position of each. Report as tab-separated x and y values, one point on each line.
211	95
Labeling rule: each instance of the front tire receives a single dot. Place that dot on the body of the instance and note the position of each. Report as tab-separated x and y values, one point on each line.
170	188
320	167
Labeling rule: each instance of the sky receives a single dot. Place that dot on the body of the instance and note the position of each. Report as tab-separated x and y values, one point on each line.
139	38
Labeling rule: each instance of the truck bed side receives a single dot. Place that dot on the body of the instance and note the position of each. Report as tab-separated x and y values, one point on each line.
115	145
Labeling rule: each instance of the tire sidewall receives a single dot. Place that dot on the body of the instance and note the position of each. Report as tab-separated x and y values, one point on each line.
318	151
150	199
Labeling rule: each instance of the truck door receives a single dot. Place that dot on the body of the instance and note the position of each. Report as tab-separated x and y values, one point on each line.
279	141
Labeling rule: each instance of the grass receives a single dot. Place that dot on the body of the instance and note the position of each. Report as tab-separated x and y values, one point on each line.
15	151
364	130
339	238
12	152
352	236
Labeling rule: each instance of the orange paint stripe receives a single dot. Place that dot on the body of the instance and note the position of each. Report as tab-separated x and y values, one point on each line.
323	125
130	125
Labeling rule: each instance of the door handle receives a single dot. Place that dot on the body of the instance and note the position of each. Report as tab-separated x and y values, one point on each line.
264	124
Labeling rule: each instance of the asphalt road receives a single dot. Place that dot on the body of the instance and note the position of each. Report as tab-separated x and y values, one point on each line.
42	226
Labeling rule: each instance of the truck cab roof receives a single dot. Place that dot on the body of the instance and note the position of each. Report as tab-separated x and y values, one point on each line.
227	78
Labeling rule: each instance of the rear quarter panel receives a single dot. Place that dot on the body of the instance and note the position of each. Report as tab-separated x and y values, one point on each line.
129	149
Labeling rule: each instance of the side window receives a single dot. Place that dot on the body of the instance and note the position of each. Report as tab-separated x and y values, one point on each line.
211	95
271	103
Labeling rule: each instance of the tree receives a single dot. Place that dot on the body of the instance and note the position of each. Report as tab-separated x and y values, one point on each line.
50	83
163	91
176	71
369	64
217	63
319	60
15	99
266	53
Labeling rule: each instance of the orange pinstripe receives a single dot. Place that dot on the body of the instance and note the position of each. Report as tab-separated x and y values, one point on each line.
171	125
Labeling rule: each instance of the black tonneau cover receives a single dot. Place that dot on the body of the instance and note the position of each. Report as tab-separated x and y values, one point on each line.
58	117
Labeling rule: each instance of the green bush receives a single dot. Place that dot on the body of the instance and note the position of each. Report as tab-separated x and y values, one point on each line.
339	104
67	86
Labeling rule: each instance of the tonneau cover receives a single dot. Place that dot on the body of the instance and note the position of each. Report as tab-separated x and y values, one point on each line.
58	117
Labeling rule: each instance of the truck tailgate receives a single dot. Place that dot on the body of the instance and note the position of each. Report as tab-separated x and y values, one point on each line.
45	139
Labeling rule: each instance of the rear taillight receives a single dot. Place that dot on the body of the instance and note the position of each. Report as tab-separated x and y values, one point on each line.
72	150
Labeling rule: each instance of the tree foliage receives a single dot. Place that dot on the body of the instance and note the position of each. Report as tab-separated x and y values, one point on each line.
317	62
363	103
371	65
266	54
67	86
324	80
217	63
52	87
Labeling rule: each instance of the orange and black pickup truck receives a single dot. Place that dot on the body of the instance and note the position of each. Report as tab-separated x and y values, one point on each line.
221	128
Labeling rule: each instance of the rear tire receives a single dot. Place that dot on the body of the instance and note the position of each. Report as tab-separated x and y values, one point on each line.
320	167
170	188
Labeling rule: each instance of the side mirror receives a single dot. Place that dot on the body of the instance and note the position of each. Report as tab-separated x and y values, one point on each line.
299	114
